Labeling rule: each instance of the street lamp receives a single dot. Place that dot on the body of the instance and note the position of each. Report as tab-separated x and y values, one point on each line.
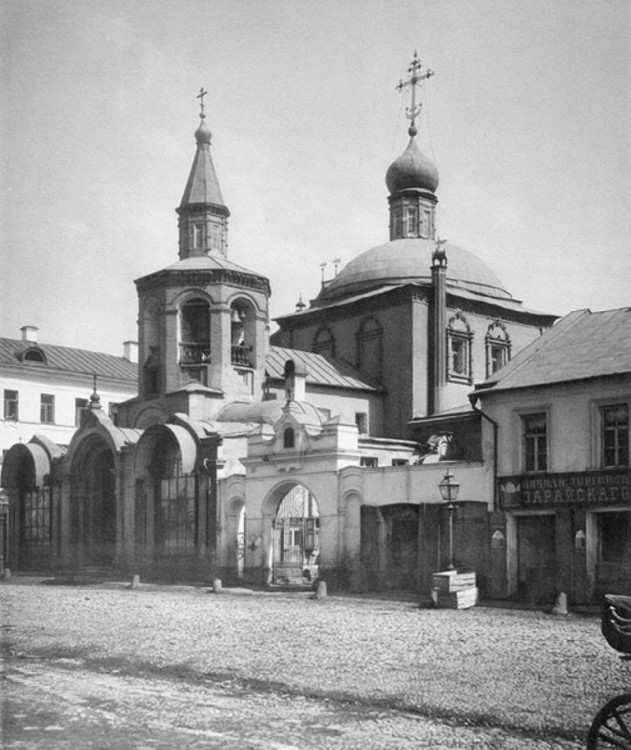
449	493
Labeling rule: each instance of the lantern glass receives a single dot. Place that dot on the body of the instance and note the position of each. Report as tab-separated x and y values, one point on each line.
448	488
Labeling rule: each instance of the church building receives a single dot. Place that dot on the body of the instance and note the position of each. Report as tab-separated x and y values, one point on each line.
314	452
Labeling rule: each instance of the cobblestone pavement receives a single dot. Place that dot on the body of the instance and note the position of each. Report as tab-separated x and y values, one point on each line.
109	667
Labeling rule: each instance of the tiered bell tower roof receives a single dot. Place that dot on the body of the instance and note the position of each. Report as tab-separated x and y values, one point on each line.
203	214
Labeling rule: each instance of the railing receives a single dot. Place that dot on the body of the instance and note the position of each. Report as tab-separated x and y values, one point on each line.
241	355
194	354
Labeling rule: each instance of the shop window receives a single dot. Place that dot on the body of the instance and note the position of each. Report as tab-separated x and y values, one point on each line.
47	409
535	436
498	347
11	405
615	436
80	406
324	343
459	346
195	332
613	536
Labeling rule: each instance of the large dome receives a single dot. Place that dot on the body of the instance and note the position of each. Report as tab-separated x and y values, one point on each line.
408	261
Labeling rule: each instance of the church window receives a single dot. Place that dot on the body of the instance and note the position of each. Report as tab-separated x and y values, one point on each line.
459	341
411	221
11	405
498	347
397	219
242	333
198	235
535	432
113	412
47	408
615	436
80	407
370	348
176	517
215	237
361	420
195	332
289	438
324	343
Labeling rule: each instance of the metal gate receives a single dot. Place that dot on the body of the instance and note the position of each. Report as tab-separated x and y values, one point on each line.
296	537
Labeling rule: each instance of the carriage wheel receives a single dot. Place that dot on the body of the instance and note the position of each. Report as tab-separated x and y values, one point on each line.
612	725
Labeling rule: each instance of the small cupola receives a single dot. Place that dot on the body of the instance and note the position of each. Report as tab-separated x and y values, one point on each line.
412	178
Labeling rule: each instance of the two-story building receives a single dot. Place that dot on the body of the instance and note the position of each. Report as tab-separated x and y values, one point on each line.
561	407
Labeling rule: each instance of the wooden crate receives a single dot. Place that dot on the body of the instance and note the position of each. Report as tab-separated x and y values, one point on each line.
451	580
455	599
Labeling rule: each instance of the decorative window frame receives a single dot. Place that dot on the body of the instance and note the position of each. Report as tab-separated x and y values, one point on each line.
499	339
370	329
612	403
321	345
521	441
463	334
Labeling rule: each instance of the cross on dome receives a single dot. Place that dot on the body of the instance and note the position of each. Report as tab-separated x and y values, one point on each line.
415	79
201	96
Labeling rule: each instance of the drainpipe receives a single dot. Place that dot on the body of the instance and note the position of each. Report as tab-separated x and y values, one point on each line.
473	399
438	326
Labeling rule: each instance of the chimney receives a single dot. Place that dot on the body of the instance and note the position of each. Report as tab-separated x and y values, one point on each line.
29	333
295	381
130	351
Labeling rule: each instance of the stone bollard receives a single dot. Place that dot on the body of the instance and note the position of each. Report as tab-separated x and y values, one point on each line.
6	574
135	582
217	587
560	607
320	591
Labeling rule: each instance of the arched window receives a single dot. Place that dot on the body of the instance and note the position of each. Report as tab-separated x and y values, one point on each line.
34	355
242	333
195	332
323	342
289	438
370	348
498	347
151	374
459	345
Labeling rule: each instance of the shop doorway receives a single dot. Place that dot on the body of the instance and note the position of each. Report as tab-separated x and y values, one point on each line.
536	558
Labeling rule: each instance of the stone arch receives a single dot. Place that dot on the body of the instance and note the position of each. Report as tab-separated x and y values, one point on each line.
93	462
26	477
291	515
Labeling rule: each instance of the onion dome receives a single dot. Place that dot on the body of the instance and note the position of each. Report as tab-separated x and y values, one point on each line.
203	134
412	170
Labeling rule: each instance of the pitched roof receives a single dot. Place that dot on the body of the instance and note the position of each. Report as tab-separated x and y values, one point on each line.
66	359
581	345
320	370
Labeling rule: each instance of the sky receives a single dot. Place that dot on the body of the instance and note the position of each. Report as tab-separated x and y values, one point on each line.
528	119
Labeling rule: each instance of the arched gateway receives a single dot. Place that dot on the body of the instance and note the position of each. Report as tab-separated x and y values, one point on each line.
296	536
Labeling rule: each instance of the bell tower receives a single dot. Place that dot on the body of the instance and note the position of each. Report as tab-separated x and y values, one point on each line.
203	321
